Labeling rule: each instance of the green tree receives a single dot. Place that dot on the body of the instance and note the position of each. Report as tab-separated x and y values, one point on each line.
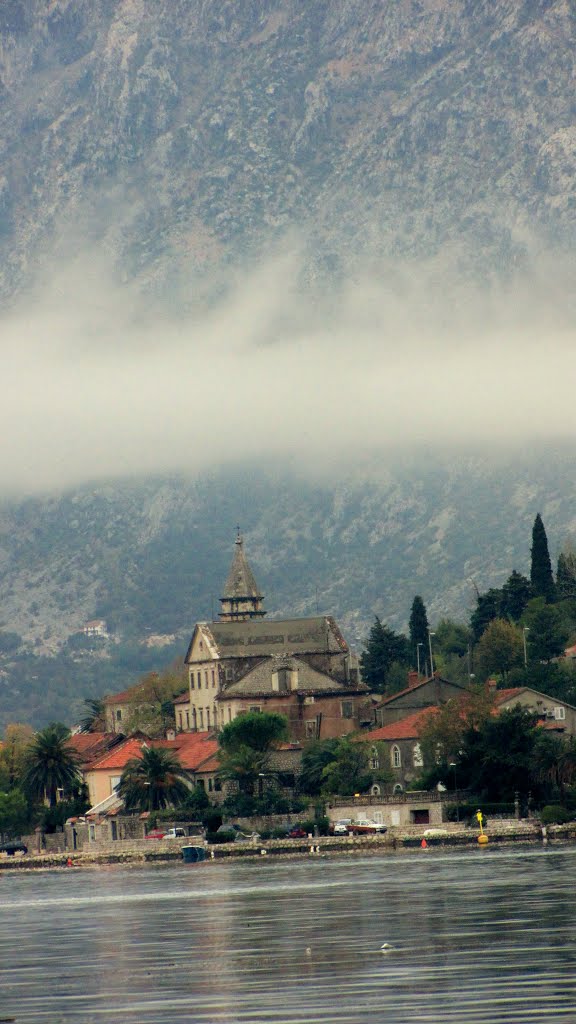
497	758
246	745
314	760
442	733
51	764
566	576
151	708
547	634
94	719
348	772
500	648
487	608
17	740
418	630
516	594
452	638
153	781
541	576
383	648
15	814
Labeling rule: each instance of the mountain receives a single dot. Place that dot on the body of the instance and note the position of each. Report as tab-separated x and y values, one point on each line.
151	558
179	144
183	136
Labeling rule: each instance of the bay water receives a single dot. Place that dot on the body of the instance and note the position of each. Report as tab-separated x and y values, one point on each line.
478	935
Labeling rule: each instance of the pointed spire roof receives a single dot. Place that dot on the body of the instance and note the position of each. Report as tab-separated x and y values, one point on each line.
242	598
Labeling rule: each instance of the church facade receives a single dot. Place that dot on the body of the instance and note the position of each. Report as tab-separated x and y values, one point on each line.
301	668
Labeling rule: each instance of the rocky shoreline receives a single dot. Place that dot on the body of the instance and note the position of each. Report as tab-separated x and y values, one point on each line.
449	837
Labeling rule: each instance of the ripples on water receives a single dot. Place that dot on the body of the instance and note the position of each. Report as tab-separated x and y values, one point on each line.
484	935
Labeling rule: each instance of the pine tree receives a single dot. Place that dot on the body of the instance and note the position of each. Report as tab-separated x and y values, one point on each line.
383	648
516	593
418	627
488	607
541	576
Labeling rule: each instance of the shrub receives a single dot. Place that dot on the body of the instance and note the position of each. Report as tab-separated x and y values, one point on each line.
554	814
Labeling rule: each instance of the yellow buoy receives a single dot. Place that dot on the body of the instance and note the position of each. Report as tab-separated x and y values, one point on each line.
482	839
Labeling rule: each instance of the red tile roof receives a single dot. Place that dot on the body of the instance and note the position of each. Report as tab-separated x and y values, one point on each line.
408	728
183	698
91	746
119	756
191	748
502	696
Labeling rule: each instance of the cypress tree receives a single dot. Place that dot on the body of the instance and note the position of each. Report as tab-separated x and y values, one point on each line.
541	576
418	627
566	576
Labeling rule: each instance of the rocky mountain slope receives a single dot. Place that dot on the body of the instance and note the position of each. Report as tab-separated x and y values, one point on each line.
181	136
151	558
179	141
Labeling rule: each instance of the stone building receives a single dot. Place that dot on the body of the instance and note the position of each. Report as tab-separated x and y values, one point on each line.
301	668
419	694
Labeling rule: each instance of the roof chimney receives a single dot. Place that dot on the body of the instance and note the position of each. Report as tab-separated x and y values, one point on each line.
413	678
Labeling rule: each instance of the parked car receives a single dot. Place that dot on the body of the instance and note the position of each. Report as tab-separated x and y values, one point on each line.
341	827
296	832
13	847
364	827
166	833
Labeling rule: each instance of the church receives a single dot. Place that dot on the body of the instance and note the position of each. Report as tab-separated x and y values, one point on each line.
300	668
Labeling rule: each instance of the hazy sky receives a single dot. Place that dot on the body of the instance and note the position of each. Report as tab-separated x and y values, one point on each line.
97	385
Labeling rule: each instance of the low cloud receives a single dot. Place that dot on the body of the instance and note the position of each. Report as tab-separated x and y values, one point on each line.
98	385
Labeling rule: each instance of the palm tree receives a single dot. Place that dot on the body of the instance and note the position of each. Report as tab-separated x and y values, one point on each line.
153	781
94	719
51	764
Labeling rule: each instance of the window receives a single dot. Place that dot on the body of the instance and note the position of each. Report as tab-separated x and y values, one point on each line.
200	718
199	680
187	719
418	759
191	680
559	714
119	715
347	709
396	758
254	707
310	727
114	783
374	760
207	718
206	683
375	791
281	679
210	785
114	829
213	679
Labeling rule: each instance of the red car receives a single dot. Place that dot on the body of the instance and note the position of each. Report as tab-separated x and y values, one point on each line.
296	832
156	833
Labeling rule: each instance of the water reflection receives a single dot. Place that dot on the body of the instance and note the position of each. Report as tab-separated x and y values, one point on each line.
482	935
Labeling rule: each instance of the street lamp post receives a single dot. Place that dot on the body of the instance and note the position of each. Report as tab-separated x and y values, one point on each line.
453	765
418	646
430	635
525	629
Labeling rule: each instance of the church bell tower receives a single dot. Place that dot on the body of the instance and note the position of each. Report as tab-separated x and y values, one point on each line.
242	599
